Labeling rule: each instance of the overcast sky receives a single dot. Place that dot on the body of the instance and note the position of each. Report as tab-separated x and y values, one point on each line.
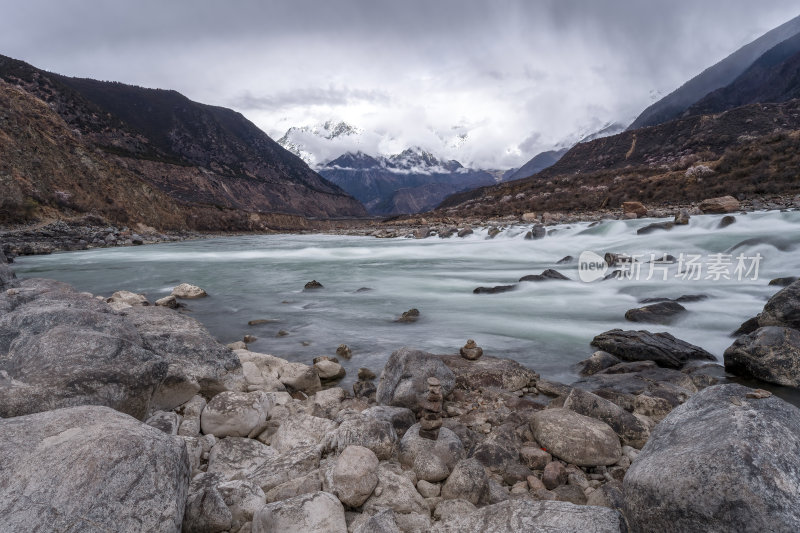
516	77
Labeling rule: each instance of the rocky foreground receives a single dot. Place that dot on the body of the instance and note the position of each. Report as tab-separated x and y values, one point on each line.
121	416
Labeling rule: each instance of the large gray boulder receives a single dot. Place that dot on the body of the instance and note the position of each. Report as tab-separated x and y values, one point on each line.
403	382
661	348
489	371
771	354
355	475
631	430
320	512
61	348
783	309
723	461
90	468
513	516
576	438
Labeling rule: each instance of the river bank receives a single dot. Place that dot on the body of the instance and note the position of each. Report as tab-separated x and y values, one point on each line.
204	438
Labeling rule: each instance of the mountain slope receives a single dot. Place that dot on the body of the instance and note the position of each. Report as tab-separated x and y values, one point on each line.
774	77
750	150
197	154
537	163
719	75
409	182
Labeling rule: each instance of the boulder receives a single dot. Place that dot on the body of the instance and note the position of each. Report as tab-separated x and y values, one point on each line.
631	430
400	417
320	512
168	301
599	360
720	205
494	290
468	481
398	493
554	474
661	348
205	507
534	458
403	382
355	475
783	309
187	291
300	430
235	414
682	218
235	457
312	285
128	298
488	371
412	315
357	429
523	514
658	313
655	226
546	275
328	370
720	462
576	438
783	282
431	460
771	354
283	467
726	221
635	208
90	468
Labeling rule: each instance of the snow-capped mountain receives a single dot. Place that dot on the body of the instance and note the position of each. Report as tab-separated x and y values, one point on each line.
412	181
315	144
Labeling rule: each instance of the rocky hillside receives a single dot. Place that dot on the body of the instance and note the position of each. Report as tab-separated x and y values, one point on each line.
409	182
197	156
749	150
717	76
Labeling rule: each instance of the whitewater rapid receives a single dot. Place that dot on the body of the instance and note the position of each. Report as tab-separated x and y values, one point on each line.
545	325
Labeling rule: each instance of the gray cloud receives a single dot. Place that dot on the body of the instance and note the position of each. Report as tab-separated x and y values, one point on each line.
516	76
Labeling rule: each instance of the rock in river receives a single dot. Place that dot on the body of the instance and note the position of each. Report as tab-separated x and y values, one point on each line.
185	290
658	313
771	354
494	290
720	462
661	348
783	309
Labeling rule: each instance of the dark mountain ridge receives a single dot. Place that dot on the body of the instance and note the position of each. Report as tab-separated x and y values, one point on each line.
197	154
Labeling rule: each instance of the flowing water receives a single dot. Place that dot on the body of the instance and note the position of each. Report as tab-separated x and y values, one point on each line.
545	325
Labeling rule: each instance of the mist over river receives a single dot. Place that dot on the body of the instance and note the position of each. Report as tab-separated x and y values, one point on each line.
545	325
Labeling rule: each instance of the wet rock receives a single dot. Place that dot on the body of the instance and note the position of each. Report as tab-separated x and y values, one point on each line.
661	348
464	232
404	378
365	374
783	309
522	514
355	475
575	438
364	389
658	313
344	352
565	260
320	512
748	326
538	231
720	462
655	226
249	339
188	291
412	315
91	469
720	205
771	354
546	275
599	360
493	232
494	290
327	369
168	301
682	218
471	351
312	285
783	282
235	414
726	221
